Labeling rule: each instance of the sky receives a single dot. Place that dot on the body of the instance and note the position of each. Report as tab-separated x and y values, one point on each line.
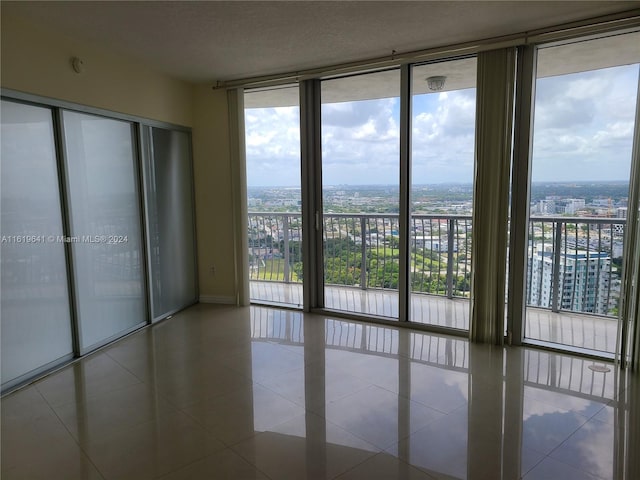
583	131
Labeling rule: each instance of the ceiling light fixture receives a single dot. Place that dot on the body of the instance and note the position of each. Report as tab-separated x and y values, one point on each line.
436	83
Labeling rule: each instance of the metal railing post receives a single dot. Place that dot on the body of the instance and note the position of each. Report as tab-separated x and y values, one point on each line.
285	235
451	224
555	268
363	253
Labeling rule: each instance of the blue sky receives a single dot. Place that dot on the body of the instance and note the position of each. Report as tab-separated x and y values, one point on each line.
583	131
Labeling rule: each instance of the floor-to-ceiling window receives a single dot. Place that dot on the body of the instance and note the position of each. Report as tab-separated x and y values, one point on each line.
272	142
360	192
443	114
398	144
585	105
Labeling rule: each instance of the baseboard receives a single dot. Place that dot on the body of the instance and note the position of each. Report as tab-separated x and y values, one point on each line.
219	299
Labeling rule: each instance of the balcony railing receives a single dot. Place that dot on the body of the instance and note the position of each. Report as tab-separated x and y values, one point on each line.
574	263
275	247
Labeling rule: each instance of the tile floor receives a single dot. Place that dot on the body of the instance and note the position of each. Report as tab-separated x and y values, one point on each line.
260	393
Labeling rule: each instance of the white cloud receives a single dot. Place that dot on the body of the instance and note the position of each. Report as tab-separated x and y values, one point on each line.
583	127
272	141
360	142
583	131
443	137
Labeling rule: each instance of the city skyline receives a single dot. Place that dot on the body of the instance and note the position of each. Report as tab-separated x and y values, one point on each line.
602	199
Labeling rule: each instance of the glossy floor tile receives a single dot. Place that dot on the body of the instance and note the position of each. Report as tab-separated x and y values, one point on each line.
259	393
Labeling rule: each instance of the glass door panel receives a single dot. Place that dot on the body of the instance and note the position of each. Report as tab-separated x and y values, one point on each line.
442	154
36	320
106	235
272	142
360	187
170	220
583	135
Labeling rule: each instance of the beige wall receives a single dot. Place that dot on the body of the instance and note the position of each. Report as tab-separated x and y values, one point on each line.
214	209
37	60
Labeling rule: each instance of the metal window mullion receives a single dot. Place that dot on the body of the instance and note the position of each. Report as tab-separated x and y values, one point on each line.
311	182
65	206
404	281
147	175
520	192
145	245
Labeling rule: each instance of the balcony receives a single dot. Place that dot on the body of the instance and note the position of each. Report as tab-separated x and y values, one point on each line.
573	275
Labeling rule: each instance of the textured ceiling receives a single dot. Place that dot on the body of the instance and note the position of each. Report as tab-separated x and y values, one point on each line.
209	41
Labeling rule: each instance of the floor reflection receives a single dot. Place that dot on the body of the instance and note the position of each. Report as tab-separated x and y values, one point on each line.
221	392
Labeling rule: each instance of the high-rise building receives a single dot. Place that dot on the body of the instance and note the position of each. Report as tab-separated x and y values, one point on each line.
547	207
584	278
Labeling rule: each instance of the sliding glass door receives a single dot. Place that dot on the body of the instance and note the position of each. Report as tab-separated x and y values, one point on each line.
74	261
360	192
443	101
585	107
170	220
272	141
36	316
105	226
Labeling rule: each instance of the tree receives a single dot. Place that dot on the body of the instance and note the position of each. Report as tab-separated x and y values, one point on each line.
385	275
338	272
